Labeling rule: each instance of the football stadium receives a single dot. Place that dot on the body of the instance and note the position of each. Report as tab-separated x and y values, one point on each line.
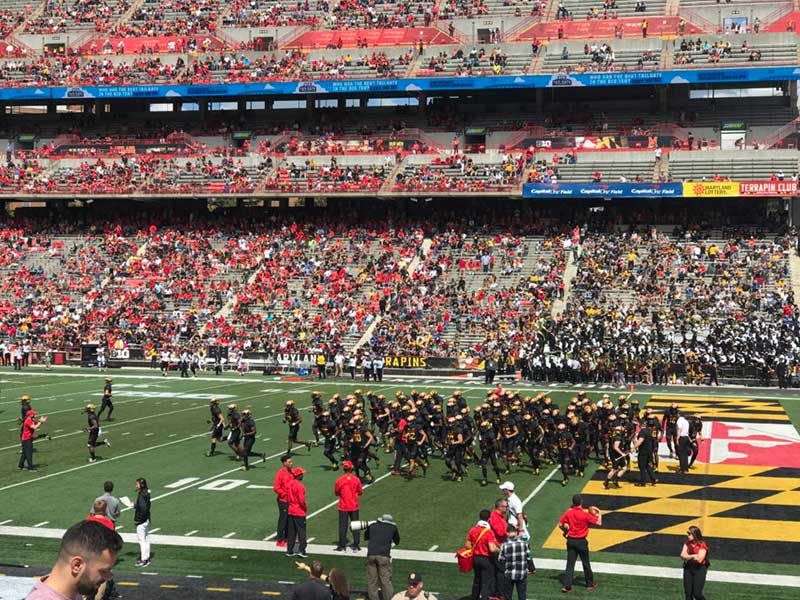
436	299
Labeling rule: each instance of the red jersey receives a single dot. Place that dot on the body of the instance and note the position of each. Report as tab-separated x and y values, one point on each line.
348	487
280	483
480	543
102	520
296	494
27	429
499	526
579	521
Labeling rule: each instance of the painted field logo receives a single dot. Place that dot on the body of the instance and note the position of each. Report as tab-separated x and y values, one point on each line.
743	491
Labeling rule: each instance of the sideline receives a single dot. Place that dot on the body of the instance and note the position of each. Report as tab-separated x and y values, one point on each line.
549	564
731	392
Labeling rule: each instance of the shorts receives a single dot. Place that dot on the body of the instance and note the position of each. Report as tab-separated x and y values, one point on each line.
164	365
235	436
92	442
293	431
216	433
618	462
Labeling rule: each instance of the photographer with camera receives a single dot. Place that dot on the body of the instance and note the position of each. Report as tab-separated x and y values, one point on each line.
380	535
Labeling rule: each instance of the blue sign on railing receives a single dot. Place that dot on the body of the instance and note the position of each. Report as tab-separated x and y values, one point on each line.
602	190
400	86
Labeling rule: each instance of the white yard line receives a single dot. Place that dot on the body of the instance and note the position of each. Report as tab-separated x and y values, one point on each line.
229	535
192	532
42	524
539	487
792	581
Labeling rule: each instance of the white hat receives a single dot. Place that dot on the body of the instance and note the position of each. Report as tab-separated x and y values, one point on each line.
507	485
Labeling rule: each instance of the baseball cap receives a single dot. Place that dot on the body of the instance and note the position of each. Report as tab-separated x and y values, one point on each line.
30	413
507	485
414	579
347	465
297	471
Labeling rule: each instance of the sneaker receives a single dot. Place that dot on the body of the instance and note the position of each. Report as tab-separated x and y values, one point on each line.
339	549
566	590
291	554
281	544
484	482
564	482
591	587
355	548
606	484
91	460
335	467
302	555
396	473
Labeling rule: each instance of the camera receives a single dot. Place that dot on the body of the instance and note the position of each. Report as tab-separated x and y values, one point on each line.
359	525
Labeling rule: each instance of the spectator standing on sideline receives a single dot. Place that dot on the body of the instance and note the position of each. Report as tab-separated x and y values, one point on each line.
499	525
380	537
348	488
314	588
695	564
279	486
87	555
414	590
484	545
112	502
575	525
141	519
296	529
337	581
514	558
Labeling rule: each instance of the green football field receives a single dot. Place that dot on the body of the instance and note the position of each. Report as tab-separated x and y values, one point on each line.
225	514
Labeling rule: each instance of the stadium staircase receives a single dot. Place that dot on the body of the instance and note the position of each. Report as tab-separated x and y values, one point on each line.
794	269
19	6
412	267
569	275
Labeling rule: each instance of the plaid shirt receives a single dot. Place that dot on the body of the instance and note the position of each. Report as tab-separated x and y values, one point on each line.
514	555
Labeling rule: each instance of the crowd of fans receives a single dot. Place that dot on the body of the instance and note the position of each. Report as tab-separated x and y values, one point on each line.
713	51
646	304
459	173
58	16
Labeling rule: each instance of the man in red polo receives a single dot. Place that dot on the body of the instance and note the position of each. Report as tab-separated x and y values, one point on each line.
279	485
296	527
575	525
348	488
499	525
484	546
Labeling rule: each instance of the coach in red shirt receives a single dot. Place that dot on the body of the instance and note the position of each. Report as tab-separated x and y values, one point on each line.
575	525
279	485
348	488
484	547
29	427
296	527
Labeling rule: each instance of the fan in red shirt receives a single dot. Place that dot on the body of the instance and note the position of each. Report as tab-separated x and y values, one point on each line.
575	525
279	486
348	488
99	514
296	529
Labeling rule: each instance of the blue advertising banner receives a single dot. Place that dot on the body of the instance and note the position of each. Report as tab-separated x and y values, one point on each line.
602	190
366	86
